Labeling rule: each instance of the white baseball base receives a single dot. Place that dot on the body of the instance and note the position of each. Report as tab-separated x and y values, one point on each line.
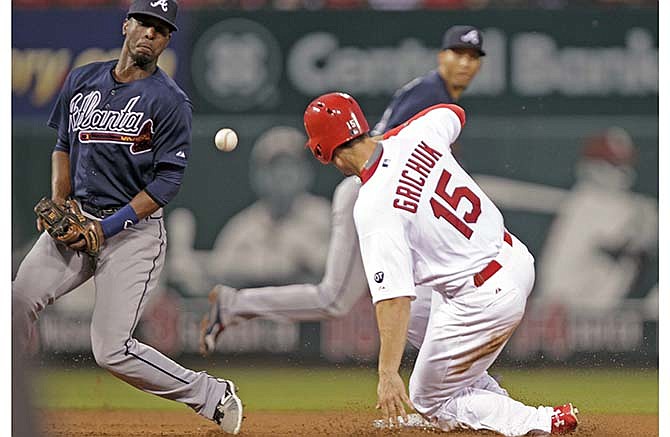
414	420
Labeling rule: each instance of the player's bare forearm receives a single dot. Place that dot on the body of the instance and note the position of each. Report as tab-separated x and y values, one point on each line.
61	187
392	320
143	205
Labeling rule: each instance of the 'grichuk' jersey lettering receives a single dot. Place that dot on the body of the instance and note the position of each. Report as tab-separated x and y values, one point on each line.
119	134
421	219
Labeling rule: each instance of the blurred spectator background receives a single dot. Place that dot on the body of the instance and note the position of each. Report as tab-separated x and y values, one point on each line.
350	4
282	238
260	215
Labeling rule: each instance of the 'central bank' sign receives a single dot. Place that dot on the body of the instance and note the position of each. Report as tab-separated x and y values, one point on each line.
277	62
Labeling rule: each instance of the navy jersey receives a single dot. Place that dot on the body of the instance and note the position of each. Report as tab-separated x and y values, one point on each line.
417	95
122	136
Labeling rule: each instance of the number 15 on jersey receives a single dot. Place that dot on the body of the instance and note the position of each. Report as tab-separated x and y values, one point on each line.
448	211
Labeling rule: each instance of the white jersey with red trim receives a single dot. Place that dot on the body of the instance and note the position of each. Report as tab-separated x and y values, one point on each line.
421	219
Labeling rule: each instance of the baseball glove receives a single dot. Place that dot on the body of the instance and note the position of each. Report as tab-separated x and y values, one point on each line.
69	226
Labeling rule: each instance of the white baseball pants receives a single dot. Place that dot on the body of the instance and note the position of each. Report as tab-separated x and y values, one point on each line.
466	332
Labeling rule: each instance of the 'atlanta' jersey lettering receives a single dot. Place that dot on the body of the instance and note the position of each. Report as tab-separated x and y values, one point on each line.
85	114
119	135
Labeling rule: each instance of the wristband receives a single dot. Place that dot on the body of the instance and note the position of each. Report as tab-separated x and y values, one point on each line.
120	220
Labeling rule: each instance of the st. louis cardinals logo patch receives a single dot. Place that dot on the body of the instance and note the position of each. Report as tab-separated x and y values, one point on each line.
108	126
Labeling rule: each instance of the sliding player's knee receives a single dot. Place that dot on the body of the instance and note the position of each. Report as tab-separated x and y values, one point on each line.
423	398
434	406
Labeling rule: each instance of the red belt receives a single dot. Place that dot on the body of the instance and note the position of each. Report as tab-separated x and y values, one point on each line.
492	267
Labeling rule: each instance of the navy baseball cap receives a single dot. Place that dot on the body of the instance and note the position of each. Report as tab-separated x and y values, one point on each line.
166	10
463	37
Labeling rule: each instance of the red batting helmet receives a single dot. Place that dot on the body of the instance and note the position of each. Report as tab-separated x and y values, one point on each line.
330	121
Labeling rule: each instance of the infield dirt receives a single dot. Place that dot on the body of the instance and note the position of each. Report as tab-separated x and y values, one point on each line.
124	423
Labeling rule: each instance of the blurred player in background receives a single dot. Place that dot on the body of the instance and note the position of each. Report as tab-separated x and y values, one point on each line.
124	134
422	220
344	282
283	236
602	234
457	65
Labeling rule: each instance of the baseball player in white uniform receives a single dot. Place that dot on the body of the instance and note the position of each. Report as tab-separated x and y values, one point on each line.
423	221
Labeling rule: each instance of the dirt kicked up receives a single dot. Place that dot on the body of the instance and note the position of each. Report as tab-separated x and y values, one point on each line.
125	423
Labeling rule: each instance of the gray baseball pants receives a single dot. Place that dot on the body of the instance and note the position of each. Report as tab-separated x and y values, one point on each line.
126	274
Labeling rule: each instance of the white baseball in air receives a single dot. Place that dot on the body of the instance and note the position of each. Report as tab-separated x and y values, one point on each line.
226	140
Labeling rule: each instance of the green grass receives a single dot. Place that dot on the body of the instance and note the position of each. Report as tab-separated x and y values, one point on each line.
595	391
592	390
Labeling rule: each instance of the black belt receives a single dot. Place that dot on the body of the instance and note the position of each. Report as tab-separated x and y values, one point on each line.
100	213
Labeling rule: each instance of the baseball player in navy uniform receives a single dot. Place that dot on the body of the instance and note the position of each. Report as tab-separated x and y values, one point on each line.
124	134
457	64
344	281
422	220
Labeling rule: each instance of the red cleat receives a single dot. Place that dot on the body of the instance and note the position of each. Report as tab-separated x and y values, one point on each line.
564	419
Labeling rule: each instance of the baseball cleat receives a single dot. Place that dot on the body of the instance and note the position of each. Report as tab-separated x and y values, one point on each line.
212	324
564	419
414	420
229	413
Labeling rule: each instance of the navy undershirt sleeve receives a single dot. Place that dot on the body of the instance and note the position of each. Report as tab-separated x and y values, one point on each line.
166	184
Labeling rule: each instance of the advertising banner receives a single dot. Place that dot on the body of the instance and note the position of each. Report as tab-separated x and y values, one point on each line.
604	62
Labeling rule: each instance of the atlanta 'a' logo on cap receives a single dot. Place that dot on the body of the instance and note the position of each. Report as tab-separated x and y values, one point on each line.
471	37
162	3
